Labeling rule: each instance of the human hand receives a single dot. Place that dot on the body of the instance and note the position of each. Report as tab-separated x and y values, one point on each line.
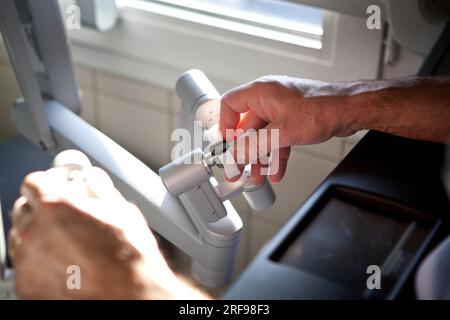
303	111
86	223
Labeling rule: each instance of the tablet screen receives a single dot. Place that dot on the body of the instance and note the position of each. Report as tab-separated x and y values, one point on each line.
344	239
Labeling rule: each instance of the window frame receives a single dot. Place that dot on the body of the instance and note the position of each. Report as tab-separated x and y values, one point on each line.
266	31
156	48
252	18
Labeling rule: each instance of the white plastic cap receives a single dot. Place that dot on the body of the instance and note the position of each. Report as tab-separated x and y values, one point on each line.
71	159
261	197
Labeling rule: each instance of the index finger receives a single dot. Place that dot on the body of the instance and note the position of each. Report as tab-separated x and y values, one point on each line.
229	119
232	105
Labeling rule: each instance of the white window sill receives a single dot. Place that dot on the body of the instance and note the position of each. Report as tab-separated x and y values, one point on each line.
309	37
157	48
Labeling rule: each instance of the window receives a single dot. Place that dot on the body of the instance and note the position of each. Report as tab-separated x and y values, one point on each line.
272	19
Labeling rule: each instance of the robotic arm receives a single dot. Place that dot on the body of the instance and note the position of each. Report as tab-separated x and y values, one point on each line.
185	204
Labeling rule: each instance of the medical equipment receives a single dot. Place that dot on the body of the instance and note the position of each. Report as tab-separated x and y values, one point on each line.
362	233
200	103
367	228
202	224
193	212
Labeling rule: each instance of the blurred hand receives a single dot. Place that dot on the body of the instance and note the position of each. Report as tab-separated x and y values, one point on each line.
87	223
304	112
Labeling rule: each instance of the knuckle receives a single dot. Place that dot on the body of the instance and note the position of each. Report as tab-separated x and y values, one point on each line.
30	181
19	206
268	81
29	178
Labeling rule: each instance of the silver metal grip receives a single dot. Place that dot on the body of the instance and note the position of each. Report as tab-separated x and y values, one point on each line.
189	179
184	173
260	197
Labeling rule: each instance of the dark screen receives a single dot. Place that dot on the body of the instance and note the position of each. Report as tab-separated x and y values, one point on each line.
342	241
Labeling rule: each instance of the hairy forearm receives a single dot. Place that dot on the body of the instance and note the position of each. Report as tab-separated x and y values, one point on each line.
417	108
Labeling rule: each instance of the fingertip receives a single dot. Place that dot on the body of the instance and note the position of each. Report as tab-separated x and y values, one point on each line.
278	164
257	179
275	179
21	208
279	175
257	176
234	179
30	179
